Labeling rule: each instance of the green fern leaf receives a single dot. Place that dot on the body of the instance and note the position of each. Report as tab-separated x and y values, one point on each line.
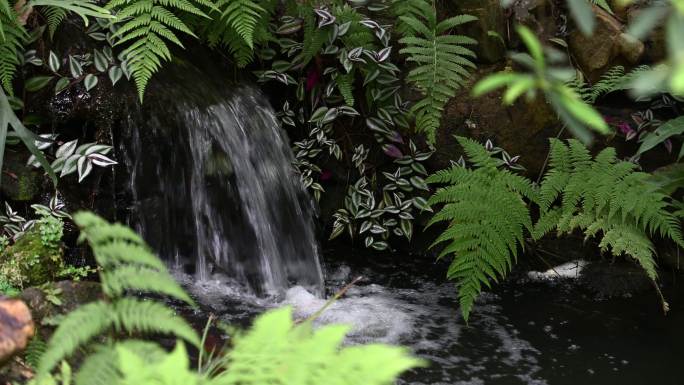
76	329
442	62
147	27
486	218
143	279
136	316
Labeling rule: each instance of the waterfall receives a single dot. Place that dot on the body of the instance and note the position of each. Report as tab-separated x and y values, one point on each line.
213	187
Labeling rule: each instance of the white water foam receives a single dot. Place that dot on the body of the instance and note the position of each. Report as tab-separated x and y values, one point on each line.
424	319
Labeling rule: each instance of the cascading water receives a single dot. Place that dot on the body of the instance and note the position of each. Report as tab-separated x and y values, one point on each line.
213	186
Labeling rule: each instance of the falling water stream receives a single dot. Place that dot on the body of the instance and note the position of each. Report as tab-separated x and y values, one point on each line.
211	175
214	193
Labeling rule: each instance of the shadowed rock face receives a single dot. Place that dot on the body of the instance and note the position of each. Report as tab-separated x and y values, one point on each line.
521	129
16	327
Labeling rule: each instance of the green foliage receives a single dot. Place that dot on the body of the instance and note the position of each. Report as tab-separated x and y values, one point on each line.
12	38
126	264
486	219
35	349
51	230
608	196
54	17
276	351
7	289
442	62
615	79
665	131
238	26
36	257
147	27
487	211
552	81
667	76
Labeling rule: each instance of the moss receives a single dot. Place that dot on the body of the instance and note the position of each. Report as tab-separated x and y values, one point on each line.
31	260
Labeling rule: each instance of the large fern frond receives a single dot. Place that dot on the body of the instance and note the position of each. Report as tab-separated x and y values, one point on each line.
442	61
486	219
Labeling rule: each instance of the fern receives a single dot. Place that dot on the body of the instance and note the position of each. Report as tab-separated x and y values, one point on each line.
486	217
237	35
147	28
441	60
276	351
126	265
54	17
35	350
242	16
615	79
314	37
100	367
608	196
345	83
12	38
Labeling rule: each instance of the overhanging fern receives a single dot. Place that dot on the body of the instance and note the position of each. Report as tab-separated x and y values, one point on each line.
442	62
486	220
12	38
148	25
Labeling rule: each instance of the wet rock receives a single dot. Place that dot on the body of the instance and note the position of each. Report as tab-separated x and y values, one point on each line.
608	46
521	129
71	294
16	327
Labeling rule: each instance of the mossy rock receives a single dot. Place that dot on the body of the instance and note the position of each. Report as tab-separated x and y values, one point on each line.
30	260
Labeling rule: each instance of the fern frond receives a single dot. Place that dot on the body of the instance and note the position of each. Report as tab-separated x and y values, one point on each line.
147	27
126	265
100	368
34	351
54	17
345	84
137	316
12	39
242	16
442	62
144	279
615	79
76	329
487	218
